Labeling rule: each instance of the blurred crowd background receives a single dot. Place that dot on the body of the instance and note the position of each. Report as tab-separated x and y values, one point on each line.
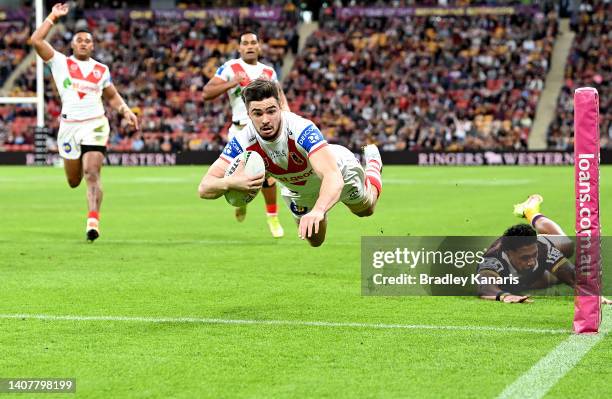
404	82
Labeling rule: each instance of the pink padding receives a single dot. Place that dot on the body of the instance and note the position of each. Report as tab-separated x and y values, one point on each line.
587	312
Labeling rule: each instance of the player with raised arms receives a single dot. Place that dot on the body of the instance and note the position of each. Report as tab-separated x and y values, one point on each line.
314	174
231	78
81	83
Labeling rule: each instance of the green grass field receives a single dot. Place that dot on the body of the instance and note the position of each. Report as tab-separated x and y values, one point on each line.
164	254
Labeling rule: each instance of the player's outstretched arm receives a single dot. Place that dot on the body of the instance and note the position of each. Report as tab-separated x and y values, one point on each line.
214	184
42	47
493	292
324	164
567	273
116	102
217	86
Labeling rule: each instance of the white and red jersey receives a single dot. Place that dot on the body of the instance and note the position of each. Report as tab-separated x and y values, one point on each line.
287	157
80	85
237	66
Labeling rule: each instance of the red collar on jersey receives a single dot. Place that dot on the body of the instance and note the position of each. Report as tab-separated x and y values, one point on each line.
94	76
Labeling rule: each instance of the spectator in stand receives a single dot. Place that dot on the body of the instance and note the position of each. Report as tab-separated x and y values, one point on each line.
588	64
463	83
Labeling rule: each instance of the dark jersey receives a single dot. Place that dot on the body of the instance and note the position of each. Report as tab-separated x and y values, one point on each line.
549	259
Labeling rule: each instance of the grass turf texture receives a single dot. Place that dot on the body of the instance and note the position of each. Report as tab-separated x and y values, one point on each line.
165	253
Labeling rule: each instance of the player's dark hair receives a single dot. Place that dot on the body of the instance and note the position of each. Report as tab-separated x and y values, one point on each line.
518	236
248	32
82	30
258	90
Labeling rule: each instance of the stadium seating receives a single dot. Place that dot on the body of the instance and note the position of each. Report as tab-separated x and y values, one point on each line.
588	64
432	83
15	121
163	80
427	82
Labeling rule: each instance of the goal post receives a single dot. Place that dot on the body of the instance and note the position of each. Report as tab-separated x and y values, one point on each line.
587	303
40	135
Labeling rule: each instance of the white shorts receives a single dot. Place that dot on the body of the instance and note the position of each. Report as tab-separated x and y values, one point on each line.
72	135
354	191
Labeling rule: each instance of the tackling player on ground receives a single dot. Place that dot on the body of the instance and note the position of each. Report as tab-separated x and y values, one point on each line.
313	174
81	83
231	78
536	253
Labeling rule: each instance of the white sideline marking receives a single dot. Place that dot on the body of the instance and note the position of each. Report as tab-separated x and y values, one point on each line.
198	320
540	378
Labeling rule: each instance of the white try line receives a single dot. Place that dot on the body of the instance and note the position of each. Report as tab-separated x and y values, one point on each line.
540	378
289	323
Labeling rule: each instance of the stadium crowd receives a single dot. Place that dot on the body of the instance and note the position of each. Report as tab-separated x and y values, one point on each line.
13	49
163	80
589	64
435	83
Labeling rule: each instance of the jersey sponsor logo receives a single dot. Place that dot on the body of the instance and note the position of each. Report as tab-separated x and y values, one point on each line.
220	70
67	82
84	88
232	149
299	180
297	209
67	147
310	137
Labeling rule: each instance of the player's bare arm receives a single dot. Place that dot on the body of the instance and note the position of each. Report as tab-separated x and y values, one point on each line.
214	184
325	166
493	292
567	273
116	102
217	86
42	47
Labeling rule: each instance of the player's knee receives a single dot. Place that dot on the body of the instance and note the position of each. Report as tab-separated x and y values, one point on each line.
91	175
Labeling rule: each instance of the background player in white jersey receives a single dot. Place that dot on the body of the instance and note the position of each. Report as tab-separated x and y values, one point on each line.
231	78
314	175
81	83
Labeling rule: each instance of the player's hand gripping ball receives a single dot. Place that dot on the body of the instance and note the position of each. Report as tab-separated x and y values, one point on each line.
253	166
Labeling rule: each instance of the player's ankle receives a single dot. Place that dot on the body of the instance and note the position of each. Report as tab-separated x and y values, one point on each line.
271	209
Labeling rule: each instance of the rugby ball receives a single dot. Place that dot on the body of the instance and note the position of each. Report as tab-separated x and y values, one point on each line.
253	166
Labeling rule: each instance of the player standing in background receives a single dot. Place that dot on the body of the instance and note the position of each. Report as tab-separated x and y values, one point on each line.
81	83
314	175
231	78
